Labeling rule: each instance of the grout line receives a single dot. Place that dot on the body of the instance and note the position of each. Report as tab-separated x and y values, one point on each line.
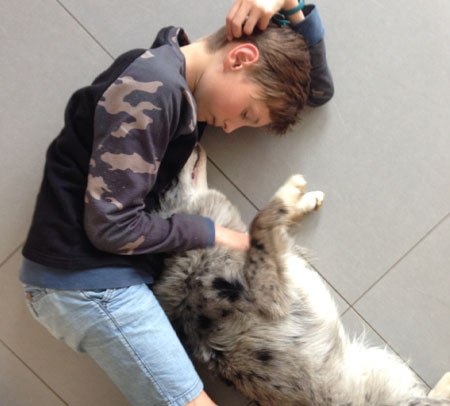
402	257
8	257
229	180
312	265
334	290
387	343
34	373
84	28
382	277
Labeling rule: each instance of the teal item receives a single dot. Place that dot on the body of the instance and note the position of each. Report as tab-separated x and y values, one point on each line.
294	10
280	20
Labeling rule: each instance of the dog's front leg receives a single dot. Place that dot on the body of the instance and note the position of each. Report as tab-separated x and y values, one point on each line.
271	245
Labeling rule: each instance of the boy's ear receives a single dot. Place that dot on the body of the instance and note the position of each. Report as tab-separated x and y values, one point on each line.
241	56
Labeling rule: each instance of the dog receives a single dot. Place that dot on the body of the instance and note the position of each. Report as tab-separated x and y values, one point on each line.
263	320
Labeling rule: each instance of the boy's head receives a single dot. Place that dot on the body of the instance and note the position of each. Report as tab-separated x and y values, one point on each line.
274	67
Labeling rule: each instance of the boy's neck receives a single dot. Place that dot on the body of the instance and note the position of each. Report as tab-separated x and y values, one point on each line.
197	60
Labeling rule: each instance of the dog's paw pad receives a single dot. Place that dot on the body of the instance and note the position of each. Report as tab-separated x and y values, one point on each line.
311	201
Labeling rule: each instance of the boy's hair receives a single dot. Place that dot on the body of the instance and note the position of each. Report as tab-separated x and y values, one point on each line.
282	71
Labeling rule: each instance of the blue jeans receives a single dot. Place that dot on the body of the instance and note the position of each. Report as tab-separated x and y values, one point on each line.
129	336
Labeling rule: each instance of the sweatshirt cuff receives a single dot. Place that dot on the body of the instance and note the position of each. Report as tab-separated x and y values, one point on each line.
212	232
194	232
311	28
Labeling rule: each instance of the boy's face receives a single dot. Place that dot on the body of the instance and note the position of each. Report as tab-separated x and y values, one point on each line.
227	99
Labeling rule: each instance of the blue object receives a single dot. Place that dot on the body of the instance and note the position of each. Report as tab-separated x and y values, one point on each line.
294	10
311	27
280	20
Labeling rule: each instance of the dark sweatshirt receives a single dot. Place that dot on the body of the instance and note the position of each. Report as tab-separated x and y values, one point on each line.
126	137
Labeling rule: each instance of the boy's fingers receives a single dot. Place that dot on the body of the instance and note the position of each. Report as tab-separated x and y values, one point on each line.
249	12
238	20
252	20
230	17
264	21
231	20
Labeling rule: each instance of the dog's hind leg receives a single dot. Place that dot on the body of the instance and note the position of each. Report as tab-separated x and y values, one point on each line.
271	245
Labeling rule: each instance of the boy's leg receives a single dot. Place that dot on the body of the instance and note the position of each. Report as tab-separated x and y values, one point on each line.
128	334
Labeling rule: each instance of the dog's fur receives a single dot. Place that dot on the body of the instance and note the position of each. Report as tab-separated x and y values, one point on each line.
263	319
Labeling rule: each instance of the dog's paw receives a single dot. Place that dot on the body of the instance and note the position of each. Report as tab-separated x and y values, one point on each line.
442	389
292	190
295	200
311	201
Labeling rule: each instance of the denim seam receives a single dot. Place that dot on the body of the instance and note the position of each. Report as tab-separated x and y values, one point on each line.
35	298
31	306
175	401
109	294
133	352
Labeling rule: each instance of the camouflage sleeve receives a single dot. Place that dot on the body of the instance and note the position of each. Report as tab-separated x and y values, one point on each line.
322	88
132	128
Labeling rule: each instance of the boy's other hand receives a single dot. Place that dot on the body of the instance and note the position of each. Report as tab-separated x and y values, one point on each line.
232	239
252	12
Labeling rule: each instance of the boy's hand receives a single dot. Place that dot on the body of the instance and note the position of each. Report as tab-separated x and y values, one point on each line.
252	12
232	239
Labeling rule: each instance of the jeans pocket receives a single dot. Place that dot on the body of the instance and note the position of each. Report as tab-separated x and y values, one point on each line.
102	295
33	297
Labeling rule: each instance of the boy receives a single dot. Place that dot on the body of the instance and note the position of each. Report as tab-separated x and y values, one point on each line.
87	257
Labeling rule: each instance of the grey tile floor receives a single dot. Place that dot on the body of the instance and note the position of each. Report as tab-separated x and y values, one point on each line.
380	150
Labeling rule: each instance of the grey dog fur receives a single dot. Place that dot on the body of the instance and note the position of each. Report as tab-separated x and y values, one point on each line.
263	320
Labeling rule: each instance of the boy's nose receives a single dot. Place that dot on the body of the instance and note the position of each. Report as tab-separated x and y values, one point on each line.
229	126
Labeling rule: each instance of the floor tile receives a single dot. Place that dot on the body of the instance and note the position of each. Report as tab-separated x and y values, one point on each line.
48	57
410	306
19	386
120	26
73	377
403	43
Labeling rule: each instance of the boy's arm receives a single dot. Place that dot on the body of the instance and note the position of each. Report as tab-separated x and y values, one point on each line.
309	24
231	238
133	126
